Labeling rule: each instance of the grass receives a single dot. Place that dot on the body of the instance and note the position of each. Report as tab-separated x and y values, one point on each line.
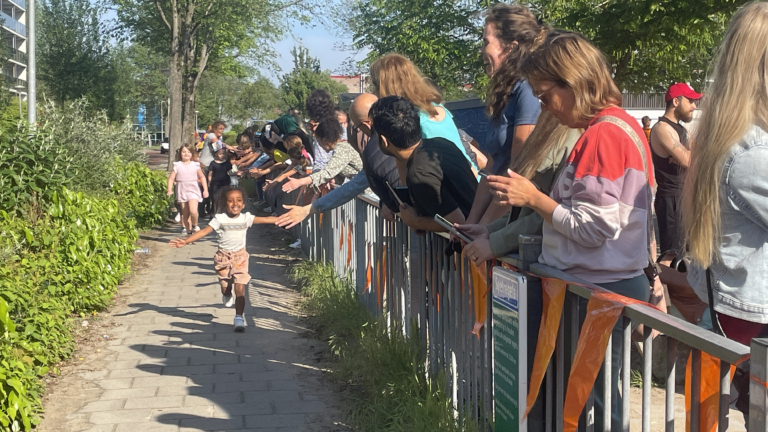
383	372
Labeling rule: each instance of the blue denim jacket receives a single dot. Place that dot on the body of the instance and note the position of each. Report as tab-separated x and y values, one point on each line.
740	274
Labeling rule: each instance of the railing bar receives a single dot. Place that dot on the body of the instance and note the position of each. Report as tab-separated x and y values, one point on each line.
670	385
607	385
588	415
695	388
625	368
647	377
725	396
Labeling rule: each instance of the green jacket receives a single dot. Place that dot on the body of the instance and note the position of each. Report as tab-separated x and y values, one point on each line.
506	231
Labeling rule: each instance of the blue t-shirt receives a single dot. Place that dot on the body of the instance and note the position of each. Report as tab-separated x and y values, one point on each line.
446	128
523	108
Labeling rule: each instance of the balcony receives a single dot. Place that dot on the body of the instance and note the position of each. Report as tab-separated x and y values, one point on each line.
20	3
13	24
13	82
17	56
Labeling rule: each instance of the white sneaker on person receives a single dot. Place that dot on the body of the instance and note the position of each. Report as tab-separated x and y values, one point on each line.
239	323
183	231
296	244
228	301
197	228
267	209
177	218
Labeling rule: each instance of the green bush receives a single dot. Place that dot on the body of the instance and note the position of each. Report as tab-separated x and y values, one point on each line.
382	368
72	196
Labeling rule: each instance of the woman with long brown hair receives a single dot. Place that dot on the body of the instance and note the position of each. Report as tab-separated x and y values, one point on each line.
725	197
395	75
511	32
596	219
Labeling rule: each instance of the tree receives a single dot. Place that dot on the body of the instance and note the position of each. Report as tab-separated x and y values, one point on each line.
236	100
305	78
441	37
148	85
75	59
196	34
649	43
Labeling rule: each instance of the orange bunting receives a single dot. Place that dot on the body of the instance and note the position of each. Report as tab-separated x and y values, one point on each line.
341	239
320	221
349	244
553	292
368	272
480	293
603	311
709	392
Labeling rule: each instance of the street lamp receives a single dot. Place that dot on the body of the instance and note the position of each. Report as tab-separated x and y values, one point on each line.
19	88
196	113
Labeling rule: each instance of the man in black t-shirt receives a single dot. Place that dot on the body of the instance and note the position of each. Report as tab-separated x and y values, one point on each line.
438	176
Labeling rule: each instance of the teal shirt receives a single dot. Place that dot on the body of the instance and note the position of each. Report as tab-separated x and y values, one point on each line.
443	129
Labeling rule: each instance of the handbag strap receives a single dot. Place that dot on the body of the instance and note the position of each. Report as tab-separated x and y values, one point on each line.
640	148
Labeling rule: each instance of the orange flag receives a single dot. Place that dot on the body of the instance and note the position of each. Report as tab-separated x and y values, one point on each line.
480	293
709	392
553	292
368	271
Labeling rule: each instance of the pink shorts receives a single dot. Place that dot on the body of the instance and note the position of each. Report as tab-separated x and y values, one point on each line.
232	266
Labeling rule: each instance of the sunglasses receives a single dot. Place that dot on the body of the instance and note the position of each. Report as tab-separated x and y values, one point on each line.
543	98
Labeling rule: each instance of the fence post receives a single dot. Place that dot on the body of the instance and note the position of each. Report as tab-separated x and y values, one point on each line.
530	249
758	392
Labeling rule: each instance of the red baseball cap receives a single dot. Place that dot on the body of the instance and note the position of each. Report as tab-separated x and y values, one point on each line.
681	89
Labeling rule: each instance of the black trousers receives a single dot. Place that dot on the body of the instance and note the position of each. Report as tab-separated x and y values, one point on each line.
670	220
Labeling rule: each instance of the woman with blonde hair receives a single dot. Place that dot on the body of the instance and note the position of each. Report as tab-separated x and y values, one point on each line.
725	196
597	217
395	75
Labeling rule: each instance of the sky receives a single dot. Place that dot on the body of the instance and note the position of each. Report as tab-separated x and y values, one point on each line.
321	44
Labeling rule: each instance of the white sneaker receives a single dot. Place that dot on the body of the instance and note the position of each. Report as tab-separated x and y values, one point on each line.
183	231
296	244
177	218
267	209
228	300
239	323
197	228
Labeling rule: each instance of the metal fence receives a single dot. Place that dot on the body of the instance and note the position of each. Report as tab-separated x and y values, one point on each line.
407	279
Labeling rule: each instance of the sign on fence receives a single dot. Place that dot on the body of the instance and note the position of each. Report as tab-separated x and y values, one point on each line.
510	369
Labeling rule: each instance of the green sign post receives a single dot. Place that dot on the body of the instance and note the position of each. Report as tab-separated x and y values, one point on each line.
510	371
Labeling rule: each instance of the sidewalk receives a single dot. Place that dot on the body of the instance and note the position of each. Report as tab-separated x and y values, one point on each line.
173	363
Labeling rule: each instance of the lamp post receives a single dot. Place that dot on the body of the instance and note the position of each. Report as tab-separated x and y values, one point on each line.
18	89
196	113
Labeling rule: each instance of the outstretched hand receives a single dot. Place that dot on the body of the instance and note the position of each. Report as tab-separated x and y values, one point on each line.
177	243
295	215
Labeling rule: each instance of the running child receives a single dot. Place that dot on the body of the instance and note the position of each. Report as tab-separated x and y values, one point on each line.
231	260
186	174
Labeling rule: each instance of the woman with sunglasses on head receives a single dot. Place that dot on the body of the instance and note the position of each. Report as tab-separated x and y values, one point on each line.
596	217
725	194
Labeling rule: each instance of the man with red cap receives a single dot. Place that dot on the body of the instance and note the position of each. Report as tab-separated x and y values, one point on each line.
671	157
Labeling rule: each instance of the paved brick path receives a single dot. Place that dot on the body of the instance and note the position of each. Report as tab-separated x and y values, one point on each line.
175	363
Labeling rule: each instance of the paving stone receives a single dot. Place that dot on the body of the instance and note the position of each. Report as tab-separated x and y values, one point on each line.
274	421
102	428
213	424
153	427
232	410
115	384
154	402
122	364
216	378
119	417
283	385
214	399
240	386
161	381
104	405
128	393
167	415
243	368
185	390
303	407
143	371
188	370
267	376
272	396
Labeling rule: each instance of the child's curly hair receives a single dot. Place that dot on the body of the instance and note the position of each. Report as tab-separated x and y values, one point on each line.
220	200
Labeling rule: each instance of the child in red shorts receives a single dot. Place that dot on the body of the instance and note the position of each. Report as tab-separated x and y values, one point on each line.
231	260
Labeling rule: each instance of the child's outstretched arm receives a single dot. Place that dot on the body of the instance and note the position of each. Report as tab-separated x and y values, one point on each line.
180	243
264	220
201	177
171	179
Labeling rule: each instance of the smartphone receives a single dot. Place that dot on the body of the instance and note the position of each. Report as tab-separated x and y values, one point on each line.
405	196
483	173
394	194
445	223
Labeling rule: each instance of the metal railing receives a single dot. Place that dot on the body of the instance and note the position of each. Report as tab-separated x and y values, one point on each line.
408	279
18	56
20	3
13	24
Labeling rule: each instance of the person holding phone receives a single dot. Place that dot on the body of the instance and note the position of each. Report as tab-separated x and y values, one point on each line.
438	175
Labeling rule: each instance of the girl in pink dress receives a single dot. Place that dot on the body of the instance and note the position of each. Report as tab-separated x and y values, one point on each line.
186	173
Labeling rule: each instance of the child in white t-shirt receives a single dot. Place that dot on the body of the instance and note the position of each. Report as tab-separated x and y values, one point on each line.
231	260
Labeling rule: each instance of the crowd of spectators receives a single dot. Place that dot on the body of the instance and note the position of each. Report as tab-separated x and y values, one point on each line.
561	159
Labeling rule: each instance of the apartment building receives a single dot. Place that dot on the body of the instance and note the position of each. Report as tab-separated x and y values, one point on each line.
13	14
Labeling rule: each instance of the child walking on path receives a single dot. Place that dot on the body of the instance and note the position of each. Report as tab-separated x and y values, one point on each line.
186	173
231	260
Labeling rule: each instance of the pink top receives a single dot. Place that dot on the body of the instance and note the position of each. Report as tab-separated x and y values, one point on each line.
186	172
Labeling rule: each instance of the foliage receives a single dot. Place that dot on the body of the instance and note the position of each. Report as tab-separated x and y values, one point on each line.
649	43
75	59
141	194
441	37
383	368
236	99
306	77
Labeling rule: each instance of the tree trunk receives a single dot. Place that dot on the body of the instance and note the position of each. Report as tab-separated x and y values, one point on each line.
175	78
